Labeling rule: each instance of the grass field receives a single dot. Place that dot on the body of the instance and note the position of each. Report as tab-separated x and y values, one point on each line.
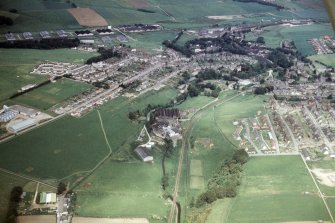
326	165
16	65
300	35
272	190
328	59
61	147
48	95
123	190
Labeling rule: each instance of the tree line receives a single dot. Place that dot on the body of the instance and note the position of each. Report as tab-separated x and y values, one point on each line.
6	21
104	55
225	180
45	44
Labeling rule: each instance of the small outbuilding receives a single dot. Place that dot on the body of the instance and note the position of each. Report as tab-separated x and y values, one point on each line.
144	153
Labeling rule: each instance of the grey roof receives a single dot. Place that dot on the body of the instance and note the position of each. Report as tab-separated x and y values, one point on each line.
21	125
143	152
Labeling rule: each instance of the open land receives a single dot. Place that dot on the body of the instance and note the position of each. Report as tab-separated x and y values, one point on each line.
87	17
76	140
48	95
16	65
273	189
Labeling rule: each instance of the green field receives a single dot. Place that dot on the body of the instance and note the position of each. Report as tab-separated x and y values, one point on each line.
51	94
272	190
327	165
328	59
16	65
123	190
300	35
61	148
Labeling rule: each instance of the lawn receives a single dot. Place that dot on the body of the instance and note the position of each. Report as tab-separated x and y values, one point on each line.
16	65
69	144
51	94
272	190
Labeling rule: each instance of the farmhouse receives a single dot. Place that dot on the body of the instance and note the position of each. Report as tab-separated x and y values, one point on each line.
19	126
144	153
47	198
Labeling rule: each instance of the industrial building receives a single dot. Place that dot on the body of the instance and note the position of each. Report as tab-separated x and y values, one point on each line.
47	198
19	126
7	114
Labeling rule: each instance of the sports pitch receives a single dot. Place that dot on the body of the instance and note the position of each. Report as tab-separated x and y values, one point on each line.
51	94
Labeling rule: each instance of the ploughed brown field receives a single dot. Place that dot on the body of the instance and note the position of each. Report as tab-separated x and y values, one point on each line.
88	17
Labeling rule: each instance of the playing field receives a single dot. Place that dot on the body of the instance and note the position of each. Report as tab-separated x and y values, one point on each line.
70	144
51	94
273	190
16	65
328	59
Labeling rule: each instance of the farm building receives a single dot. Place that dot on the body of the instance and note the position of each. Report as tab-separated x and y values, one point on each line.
28	35
25	111
45	34
144	154
10	36
7	114
61	33
47	198
19	126
122	38
83	33
104	31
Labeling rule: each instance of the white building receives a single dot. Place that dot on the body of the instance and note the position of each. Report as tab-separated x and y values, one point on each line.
19	126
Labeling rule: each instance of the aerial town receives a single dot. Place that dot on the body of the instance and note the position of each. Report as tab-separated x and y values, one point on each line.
145	112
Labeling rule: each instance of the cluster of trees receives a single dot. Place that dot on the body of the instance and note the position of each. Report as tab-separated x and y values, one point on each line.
104	55
45	44
224	43
263	90
15	199
279	58
181	49
262	2
260	40
6	21
209	74
225	180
